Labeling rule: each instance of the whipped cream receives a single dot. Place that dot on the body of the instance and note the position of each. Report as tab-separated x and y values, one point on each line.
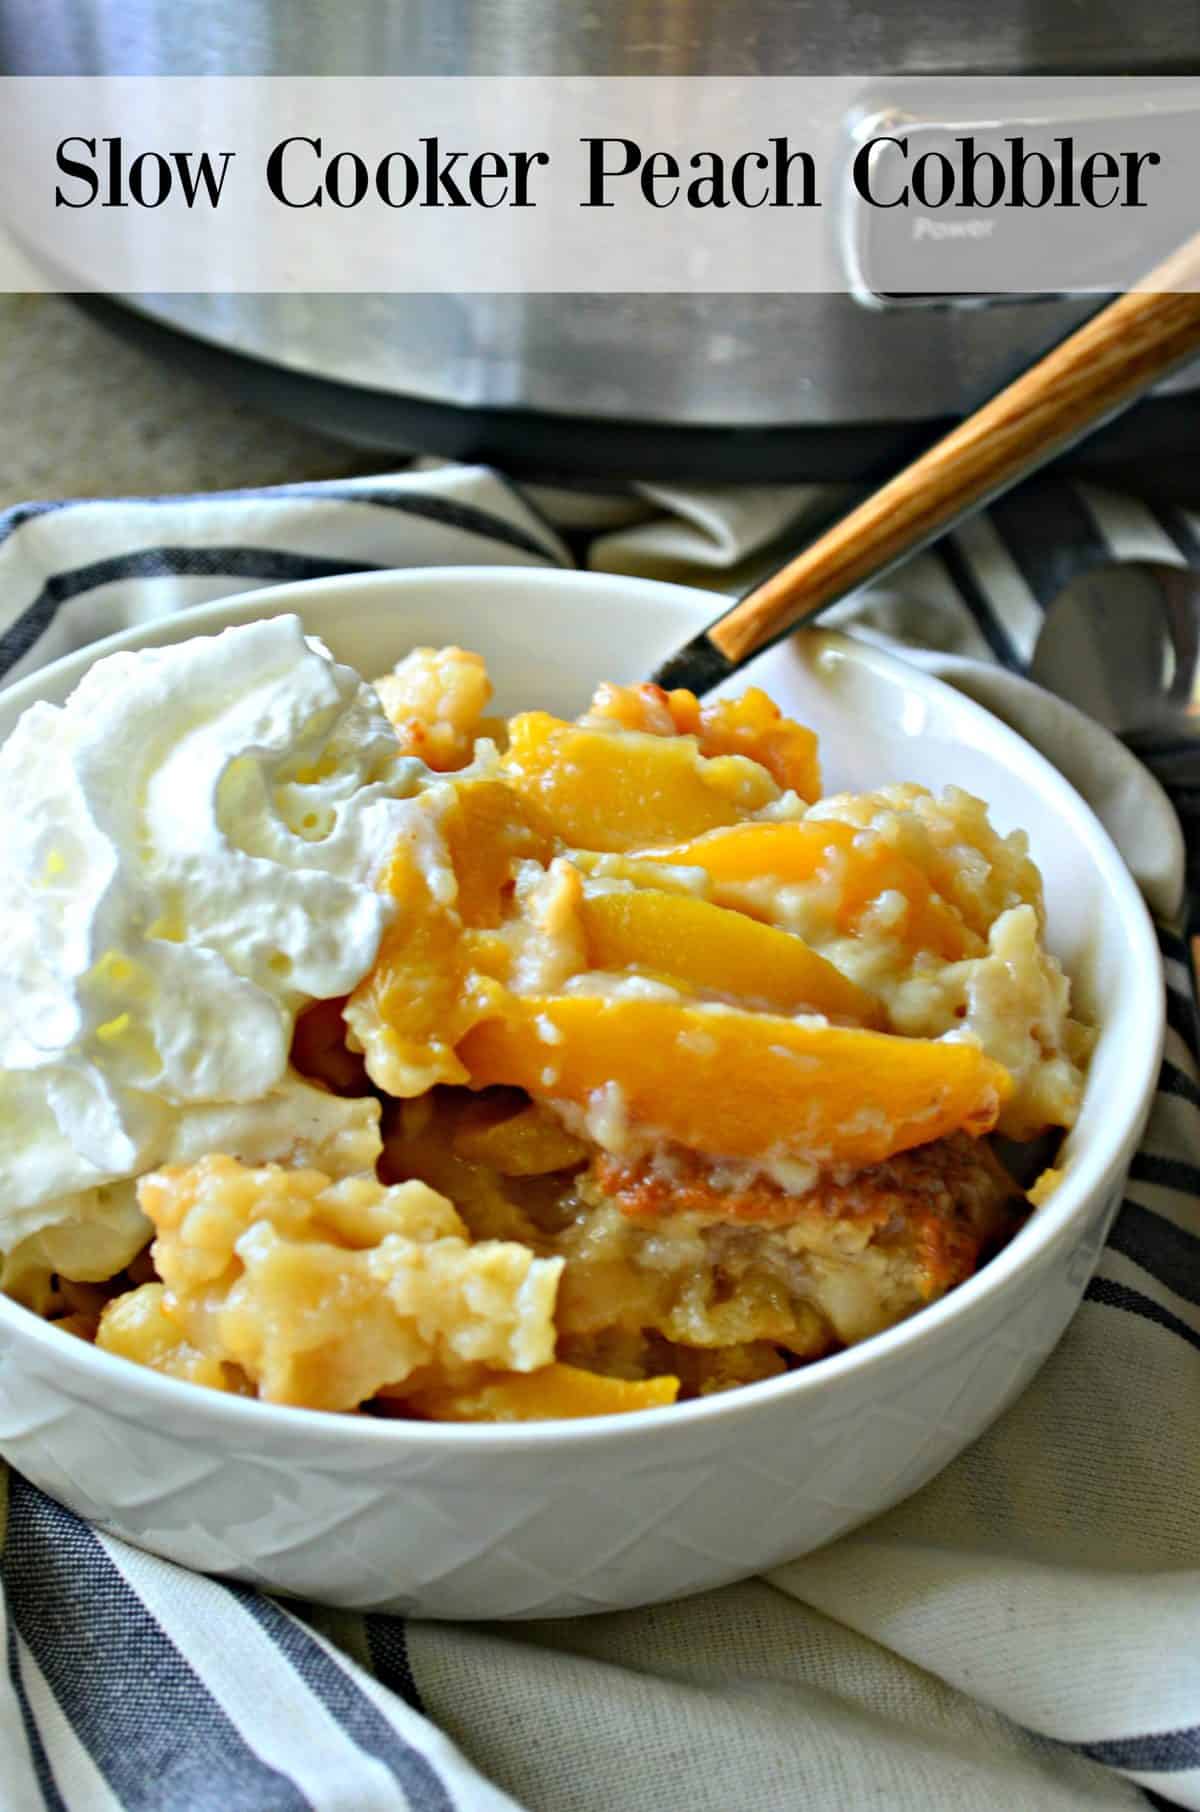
187	855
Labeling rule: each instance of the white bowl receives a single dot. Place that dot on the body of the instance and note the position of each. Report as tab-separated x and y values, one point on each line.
558	1518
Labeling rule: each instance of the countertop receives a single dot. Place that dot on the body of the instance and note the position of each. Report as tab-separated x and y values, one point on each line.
82	414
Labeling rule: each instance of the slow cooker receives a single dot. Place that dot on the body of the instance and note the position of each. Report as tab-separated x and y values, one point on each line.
646	385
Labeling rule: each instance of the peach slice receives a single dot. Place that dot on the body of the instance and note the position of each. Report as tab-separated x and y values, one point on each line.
858	867
614	790
751	725
555	1390
739	1084
429	984
528	1142
407	1014
488	828
703	947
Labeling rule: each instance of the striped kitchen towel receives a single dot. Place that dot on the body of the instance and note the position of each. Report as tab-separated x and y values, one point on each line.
1025	1632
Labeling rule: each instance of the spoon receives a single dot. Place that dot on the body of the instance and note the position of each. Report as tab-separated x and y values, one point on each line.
1096	372
1122	641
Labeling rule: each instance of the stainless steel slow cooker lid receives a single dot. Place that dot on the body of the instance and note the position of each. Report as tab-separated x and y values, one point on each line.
760	364
545	37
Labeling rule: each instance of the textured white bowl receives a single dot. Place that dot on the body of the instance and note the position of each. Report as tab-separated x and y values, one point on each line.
562	1518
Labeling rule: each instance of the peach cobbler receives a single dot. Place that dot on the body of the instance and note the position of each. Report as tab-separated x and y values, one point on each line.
661	1073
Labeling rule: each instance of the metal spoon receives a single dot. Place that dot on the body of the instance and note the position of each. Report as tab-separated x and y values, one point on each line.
1122	641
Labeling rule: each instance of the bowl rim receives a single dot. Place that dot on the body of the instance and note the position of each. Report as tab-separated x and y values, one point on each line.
79	1364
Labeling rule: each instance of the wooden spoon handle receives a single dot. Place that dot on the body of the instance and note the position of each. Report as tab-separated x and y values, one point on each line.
1101	368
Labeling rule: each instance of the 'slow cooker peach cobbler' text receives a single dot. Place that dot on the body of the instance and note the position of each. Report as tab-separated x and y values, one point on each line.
580	1066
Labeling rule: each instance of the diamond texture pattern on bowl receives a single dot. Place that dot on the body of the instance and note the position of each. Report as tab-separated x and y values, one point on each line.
474	1531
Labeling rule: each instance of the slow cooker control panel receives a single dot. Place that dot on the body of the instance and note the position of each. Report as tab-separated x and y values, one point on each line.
939	212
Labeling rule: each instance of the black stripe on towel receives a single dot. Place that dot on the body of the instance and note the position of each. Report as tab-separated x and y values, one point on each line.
448	512
1181	1016
1164	1752
146	1719
1178	525
21	513
1172	943
47	1785
993	631
273	564
1167	749
1165	1173
468	518
1050	534
1111	1295
1170	1255
387	1644
358	1717
1174	1081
